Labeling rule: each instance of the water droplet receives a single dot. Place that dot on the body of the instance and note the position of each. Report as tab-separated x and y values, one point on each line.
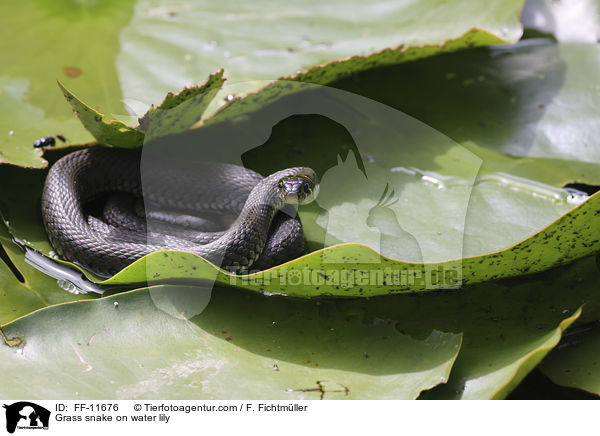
229	97
11	132
577	197
98	118
116	304
433	181
67	286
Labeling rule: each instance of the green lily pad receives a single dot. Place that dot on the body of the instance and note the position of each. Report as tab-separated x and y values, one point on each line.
44	41
532	99
575	362
509	328
576	366
170	47
114	133
140	345
177	113
97	53
354	270
189	342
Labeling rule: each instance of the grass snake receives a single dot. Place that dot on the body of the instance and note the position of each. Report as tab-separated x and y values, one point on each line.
96	216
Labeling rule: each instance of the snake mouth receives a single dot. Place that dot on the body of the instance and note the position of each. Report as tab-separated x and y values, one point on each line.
299	189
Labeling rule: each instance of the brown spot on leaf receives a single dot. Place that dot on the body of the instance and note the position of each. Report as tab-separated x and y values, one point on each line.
72	72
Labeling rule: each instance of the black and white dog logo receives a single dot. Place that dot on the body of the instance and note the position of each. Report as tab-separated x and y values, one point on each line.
26	415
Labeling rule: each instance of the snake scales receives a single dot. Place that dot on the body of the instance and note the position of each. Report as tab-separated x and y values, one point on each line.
95	214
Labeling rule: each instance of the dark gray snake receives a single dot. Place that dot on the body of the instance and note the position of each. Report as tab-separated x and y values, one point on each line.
95	214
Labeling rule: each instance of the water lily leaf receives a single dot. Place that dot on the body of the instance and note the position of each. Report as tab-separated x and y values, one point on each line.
160	49
354	270
574	363
110	61
509	328
178	112
191	342
507	365
114	133
175	114
74	42
329	73
141	344
486	97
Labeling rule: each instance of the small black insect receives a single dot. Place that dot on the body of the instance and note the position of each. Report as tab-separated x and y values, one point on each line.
48	141
61	137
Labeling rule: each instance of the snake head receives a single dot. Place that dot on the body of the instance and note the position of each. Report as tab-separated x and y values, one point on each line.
300	189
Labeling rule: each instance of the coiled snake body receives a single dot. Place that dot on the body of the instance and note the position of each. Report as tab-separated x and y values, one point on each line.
248	225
